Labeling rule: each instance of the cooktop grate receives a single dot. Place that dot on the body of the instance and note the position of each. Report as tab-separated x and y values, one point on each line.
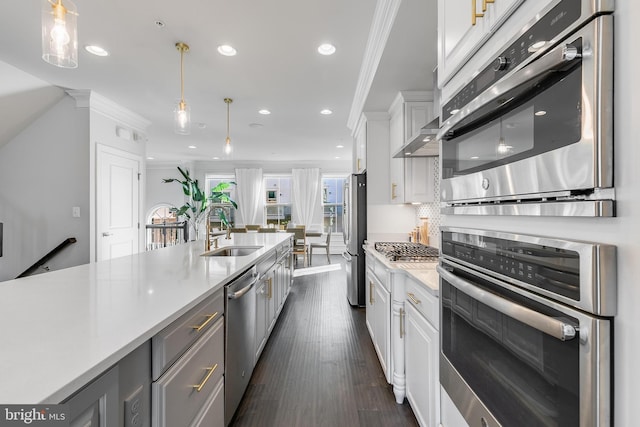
407	251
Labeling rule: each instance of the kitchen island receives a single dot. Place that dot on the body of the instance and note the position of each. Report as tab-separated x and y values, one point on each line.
60	330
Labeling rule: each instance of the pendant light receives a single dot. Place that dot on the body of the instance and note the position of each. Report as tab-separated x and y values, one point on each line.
60	33
182	112
227	145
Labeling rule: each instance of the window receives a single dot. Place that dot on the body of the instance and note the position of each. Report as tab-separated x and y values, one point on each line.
162	228
277	210
230	212
332	202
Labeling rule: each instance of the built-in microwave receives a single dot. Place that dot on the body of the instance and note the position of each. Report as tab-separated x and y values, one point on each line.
532	133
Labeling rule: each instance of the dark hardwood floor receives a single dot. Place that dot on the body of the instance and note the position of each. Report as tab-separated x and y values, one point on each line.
319	367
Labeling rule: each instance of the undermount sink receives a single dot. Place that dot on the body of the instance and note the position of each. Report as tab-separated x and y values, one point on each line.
233	251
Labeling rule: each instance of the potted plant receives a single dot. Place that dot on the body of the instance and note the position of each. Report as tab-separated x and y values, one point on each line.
195	207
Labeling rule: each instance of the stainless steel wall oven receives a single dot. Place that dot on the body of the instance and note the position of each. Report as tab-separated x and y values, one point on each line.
527	328
532	133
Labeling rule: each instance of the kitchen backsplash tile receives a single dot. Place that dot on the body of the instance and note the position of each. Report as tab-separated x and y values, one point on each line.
432	210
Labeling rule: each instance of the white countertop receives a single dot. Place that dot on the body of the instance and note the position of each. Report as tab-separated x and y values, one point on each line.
61	329
424	272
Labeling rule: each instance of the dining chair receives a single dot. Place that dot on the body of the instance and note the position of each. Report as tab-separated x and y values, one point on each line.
253	227
299	243
324	245
266	230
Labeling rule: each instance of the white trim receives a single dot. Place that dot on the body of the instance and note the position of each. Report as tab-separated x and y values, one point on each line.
81	97
383	19
110	109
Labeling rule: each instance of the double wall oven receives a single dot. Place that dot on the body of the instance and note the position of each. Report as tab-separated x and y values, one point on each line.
532	132
527	321
527	329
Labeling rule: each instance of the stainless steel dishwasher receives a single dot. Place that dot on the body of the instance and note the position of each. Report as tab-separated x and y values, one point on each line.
240	324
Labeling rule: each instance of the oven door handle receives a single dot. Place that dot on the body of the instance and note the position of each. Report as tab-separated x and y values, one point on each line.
555	60
541	322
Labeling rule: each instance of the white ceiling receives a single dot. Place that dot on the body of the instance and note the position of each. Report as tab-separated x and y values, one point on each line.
277	67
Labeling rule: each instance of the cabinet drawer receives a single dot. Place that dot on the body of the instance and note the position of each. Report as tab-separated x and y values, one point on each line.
423	301
173	340
212	414
176	399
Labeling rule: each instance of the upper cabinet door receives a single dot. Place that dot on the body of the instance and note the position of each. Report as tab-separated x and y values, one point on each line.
465	25
461	27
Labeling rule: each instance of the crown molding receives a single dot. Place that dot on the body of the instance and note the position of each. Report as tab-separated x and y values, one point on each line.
108	108
383	19
81	97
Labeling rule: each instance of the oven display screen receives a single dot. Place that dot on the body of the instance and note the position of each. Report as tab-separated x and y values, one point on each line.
523	376
554	269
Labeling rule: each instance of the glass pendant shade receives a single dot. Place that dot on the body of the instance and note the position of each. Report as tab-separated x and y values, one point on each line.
60	33
228	149
182	111
182	118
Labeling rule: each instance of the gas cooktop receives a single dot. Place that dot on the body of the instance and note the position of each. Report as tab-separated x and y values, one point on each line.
407	251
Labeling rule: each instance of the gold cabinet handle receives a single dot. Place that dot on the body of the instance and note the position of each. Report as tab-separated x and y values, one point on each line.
270	287
413	298
393	191
210	317
198	387
370	292
402	323
484	4
474	13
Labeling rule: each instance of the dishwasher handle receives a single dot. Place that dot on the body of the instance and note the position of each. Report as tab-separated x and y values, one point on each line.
241	292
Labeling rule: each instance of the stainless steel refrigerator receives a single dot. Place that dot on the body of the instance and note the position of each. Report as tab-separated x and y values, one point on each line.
354	223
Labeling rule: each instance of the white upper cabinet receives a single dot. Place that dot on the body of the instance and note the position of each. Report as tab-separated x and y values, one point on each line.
463	26
410	179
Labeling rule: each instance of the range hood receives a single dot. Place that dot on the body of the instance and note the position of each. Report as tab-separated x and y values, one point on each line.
424	144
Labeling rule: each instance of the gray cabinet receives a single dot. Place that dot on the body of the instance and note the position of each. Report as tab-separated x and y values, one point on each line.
183	392
188	367
96	405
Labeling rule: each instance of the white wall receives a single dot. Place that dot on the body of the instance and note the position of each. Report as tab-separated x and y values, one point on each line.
44	172
623	230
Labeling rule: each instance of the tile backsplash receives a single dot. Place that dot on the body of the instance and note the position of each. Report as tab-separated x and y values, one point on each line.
432	210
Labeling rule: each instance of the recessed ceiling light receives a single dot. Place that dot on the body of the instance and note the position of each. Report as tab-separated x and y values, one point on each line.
216	158
339	146
265	112
326	49
150	158
337	157
226	50
202	125
96	50
159	23
326	112
192	146
540	113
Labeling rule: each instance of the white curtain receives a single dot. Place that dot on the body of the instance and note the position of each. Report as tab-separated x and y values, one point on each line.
305	195
250	196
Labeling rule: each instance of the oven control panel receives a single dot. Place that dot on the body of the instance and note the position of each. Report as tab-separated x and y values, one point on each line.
538	38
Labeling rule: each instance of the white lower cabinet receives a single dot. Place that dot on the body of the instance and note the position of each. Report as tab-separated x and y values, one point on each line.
421	367
422	350
378	319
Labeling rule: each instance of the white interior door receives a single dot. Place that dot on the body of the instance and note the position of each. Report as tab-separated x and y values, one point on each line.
118	204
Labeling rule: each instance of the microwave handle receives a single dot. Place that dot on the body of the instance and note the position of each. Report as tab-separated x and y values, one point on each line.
555	60
541	322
